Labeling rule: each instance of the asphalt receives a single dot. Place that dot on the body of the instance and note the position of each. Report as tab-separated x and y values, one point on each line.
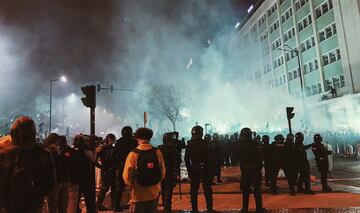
228	198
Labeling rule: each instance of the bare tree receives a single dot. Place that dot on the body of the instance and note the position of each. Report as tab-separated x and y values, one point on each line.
167	101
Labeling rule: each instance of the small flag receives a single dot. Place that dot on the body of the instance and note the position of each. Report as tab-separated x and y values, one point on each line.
189	64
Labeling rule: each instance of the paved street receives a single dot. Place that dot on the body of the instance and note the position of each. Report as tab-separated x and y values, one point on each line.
227	196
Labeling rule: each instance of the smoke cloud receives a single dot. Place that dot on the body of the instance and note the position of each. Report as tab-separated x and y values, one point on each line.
134	44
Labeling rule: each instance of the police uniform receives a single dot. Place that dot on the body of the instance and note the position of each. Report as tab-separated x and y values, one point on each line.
250	165
302	164
280	159
168	150
266	153
197	164
322	163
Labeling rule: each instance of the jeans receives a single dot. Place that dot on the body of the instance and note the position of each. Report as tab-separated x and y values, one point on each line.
149	206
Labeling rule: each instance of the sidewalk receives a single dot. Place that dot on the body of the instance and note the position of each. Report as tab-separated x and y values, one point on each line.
228	198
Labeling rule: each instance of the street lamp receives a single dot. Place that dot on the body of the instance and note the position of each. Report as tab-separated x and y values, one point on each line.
287	48
63	79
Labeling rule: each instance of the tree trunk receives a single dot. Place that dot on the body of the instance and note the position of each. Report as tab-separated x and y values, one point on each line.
173	123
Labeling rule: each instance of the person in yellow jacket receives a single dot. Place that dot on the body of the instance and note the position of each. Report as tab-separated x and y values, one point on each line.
144	169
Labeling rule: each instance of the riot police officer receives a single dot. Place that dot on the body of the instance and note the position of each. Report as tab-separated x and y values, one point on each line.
168	150
267	158
197	165
322	162
302	164
280	159
290	155
218	156
250	165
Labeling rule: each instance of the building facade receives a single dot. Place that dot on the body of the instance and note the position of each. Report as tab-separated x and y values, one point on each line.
325	33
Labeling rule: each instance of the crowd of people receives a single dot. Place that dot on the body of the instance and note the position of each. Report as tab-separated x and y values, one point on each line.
31	173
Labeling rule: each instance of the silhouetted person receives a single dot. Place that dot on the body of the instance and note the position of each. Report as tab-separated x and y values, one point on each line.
218	158
124	146
302	164
109	165
168	150
27	170
322	162
250	165
87	157
333	92
266	152
280	159
197	165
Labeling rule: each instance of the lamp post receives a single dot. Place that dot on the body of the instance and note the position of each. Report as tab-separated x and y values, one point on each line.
287	48
63	79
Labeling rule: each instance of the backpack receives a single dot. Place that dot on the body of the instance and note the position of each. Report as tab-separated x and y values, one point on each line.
25	180
147	172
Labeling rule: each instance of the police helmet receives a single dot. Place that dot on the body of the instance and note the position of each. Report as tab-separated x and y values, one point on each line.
197	130
207	137
279	137
299	136
265	138
215	136
317	138
246	133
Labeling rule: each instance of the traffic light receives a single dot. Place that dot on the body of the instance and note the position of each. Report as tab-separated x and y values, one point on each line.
289	112
90	96
98	87
112	88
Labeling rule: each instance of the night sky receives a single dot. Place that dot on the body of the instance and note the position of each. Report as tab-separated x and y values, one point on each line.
59	32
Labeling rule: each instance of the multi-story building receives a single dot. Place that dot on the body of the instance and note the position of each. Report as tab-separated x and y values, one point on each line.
326	34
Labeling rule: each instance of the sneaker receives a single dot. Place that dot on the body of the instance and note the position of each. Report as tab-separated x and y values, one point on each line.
211	211
292	192
244	211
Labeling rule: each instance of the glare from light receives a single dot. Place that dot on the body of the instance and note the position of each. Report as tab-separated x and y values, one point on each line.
237	25
250	8
72	97
63	79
